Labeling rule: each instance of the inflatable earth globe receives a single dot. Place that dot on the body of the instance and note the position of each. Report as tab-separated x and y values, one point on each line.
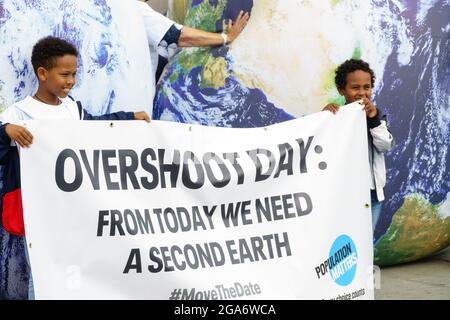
282	66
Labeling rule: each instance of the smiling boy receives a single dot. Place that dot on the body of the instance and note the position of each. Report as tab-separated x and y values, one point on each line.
55	65
355	80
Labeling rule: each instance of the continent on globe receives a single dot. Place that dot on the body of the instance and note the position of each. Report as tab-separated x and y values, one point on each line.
282	66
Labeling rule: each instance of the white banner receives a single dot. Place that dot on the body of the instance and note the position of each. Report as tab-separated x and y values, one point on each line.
131	210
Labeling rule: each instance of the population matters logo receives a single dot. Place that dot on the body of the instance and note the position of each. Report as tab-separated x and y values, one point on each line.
341	262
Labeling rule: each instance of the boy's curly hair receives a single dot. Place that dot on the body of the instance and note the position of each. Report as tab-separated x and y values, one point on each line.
46	50
349	66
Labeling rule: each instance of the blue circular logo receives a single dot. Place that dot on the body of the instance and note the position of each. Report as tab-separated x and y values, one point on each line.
342	260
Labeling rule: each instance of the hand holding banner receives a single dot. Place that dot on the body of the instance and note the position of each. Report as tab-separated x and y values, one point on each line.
153	211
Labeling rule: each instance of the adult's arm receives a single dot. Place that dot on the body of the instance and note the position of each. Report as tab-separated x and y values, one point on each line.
158	27
197	38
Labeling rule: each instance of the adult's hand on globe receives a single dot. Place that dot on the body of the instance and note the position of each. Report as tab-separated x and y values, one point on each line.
19	134
332	107
141	115
235	29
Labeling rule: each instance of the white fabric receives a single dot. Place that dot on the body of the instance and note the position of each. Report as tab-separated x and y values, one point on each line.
32	109
156	25
78	252
382	143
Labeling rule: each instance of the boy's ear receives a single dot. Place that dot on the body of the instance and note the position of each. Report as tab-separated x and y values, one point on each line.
42	74
341	91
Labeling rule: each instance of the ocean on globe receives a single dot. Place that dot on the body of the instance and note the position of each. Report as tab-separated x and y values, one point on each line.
114	74
113	67
282	66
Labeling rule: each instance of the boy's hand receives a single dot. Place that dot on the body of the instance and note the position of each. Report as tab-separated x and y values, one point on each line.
141	115
19	134
332	107
235	29
369	108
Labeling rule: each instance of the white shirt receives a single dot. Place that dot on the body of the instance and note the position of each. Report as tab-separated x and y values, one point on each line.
32	109
156	26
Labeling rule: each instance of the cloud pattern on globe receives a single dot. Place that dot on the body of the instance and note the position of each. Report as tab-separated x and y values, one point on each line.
283	66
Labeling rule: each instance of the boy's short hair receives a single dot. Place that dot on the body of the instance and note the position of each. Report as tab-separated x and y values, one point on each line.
46	50
349	66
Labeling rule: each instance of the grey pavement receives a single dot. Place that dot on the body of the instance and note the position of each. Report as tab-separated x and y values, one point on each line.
427	279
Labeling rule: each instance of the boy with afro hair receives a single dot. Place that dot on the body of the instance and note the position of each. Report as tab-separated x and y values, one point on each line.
354	81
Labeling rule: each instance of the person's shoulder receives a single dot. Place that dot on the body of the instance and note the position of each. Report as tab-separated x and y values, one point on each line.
15	109
73	106
152	16
24	102
27	105
144	7
70	103
69	100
